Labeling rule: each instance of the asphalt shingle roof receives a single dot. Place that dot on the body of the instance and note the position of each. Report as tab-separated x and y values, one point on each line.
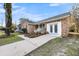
54	18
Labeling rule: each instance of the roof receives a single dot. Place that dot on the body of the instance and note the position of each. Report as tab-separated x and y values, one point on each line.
54	18
24	19
57	16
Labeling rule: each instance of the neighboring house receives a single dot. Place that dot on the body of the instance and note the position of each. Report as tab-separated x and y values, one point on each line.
18	27
58	25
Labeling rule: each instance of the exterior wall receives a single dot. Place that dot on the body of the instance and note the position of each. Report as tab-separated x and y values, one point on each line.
59	28
65	24
24	24
31	28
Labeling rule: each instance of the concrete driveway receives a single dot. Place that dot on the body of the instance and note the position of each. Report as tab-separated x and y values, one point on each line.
24	47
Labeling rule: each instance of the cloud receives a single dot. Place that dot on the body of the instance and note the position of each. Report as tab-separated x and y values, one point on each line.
22	12
2	19
19	10
15	6
54	4
2	10
0	5
34	17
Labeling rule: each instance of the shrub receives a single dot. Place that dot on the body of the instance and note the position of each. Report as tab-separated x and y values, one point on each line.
72	28
24	30
13	28
3	29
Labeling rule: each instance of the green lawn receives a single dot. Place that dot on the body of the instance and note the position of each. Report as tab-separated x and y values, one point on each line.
68	46
10	39
2	33
47	49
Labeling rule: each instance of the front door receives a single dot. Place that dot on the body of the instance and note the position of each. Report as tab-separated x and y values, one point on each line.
54	28
51	29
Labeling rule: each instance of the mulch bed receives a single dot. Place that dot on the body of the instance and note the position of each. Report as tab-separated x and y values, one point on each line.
33	35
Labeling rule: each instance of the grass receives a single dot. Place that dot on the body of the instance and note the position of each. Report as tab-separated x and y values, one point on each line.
68	46
47	48
10	39
1	33
72	49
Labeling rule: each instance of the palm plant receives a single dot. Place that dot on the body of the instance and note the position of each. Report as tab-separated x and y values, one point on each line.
8	17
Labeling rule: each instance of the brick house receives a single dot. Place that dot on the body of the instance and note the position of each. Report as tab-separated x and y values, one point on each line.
57	25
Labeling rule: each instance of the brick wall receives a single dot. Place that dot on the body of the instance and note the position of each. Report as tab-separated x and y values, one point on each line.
31	28
65	24
24	24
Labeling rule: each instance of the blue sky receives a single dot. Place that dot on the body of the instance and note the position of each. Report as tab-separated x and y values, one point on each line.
34	11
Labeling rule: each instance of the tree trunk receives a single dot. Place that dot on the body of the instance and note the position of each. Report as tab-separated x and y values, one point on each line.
8	17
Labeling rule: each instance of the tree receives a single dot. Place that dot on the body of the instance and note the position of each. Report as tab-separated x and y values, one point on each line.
13	28
75	14
8	17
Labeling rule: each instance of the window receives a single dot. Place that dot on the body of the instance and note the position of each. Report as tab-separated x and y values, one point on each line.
51	28
43	25
40	25
56	28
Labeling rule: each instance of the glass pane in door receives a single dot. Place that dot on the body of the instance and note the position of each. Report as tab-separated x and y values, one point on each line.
55	28
51	28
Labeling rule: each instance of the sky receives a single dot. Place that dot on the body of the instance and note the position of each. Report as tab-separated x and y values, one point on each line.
34	11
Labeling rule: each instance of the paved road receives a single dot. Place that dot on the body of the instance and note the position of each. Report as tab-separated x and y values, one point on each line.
24	47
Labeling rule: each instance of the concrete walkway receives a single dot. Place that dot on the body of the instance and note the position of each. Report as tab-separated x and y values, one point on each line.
24	47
